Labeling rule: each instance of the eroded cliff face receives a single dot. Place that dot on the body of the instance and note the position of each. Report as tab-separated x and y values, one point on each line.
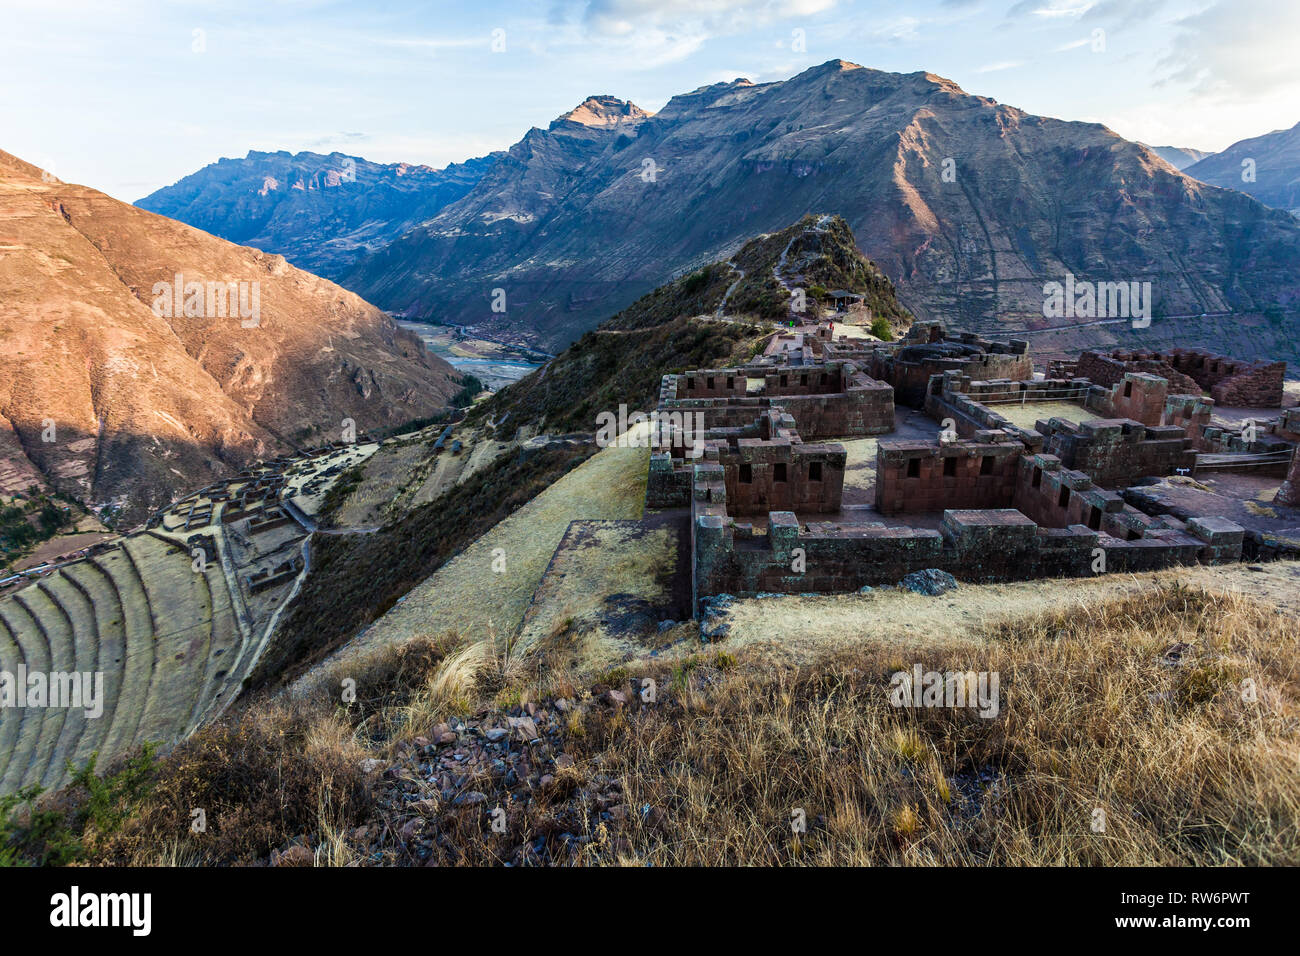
122	401
968	205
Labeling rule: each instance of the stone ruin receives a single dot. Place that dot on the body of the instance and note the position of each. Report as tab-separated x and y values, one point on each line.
1229	381
984	499
834	398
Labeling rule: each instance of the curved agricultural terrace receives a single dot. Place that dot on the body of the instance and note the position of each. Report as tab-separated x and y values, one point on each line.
161	627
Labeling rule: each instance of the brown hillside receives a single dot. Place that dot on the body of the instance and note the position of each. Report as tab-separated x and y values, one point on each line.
144	405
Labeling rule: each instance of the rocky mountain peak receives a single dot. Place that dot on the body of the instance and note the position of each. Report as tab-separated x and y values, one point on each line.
603	111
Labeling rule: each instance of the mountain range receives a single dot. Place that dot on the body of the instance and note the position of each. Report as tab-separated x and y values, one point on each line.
321	212
1179	157
1266	167
970	206
118	392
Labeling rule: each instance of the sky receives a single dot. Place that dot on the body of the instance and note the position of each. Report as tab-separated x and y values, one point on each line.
131	95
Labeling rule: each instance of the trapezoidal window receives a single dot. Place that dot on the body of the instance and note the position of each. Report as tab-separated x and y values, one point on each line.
709	384
1065	497
746	474
950	467
784	379
1128	389
1037	479
913	468
986	465
731	381
1094	519
690	385
778	471
815	471
803	379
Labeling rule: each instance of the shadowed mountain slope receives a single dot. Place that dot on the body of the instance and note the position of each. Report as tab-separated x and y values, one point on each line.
110	398
1266	167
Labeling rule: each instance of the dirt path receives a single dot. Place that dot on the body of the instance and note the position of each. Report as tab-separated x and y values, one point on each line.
726	296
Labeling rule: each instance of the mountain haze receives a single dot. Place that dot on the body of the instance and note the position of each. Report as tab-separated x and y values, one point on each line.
1275	158
1179	157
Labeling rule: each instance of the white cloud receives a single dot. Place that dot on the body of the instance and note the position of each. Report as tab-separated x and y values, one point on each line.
1000	66
1241	50
655	32
1051	9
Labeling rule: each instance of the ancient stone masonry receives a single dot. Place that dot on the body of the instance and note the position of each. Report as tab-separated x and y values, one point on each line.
909	366
833	399
1139	396
1190	413
1289	493
972	404
1229	381
985	499
931	476
765	466
1113	451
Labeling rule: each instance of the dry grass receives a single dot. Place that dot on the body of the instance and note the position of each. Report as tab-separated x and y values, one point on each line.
276	773
468	596
1175	712
1093	717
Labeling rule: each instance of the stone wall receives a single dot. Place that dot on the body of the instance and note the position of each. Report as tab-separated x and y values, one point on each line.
1231	382
1139	396
765	465
1289	493
932	476
956	396
1057	497
835	400
908	366
1114	451
1060	526
1190	413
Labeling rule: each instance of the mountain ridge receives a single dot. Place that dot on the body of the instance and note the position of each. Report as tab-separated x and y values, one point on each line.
1274	163
319	210
967	204
119	402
